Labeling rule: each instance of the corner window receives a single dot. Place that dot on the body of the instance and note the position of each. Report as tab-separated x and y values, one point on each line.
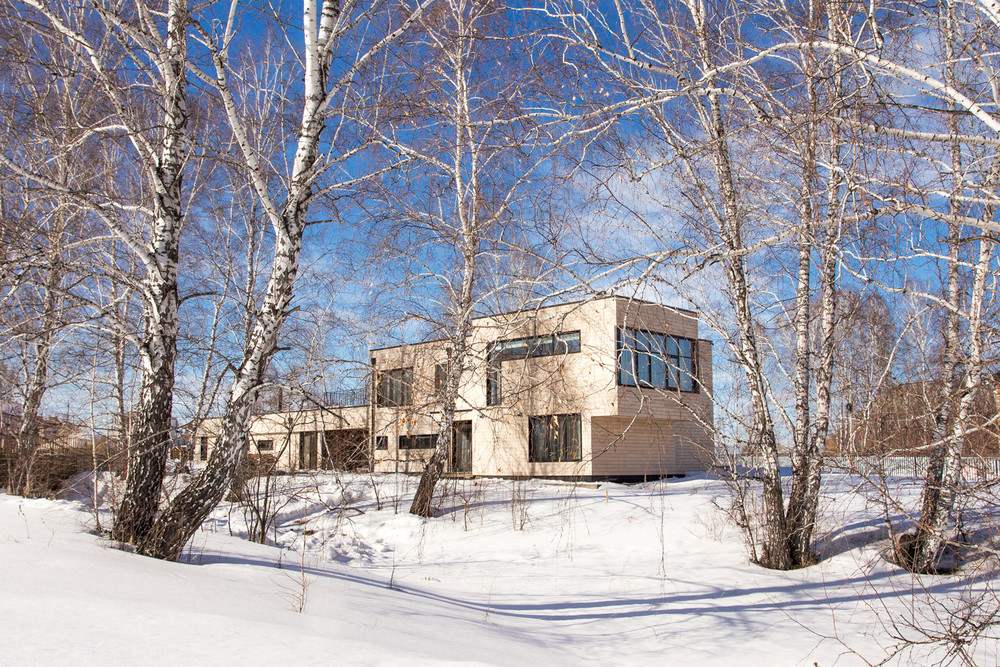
554	438
525	348
648	359
395	388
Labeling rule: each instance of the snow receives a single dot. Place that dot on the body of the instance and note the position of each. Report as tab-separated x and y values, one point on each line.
510	572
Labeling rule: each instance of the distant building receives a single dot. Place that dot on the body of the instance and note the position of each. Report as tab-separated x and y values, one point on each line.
10	424
608	388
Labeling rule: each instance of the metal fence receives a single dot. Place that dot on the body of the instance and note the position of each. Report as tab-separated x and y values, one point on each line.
346	398
974	468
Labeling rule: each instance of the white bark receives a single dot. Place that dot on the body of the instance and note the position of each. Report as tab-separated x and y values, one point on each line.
324	32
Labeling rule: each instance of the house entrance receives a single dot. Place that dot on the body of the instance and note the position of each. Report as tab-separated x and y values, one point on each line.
461	447
307	451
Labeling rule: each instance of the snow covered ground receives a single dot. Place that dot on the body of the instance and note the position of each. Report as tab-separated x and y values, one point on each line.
513	573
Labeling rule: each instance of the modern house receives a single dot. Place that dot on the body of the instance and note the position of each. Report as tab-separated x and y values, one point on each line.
610	388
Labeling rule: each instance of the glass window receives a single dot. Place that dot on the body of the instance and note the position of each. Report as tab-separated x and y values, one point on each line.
265	445
648	359
567	343
525	348
685	364
395	388
538	346
440	378
554	438
493	383
417	441
626	358
381	442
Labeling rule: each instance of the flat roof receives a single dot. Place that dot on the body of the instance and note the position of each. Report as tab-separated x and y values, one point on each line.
540	308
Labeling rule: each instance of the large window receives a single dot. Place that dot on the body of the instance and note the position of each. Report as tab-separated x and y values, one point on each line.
525	348
554	438
395	388
648	359
418	441
537	346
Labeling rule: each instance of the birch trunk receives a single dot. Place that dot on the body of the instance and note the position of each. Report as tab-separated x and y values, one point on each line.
774	543
187	512
920	553
800	512
38	379
467	209
811	430
151	425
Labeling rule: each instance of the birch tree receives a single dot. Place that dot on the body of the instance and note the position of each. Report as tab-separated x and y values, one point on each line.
149	44
741	152
474	137
965	174
351	36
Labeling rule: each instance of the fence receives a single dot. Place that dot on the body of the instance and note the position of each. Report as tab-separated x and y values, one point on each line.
346	398
974	468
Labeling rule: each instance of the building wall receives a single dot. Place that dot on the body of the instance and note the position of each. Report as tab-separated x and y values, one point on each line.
284	430
583	383
626	431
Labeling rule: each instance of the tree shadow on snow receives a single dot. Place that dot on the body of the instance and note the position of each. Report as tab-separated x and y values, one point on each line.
705	599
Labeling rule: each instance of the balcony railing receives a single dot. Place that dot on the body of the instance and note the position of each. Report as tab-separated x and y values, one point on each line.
346	398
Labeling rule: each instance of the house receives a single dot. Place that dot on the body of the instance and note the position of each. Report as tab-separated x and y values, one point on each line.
10	425
610	388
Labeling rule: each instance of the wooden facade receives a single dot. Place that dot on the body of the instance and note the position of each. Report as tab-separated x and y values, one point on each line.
544	395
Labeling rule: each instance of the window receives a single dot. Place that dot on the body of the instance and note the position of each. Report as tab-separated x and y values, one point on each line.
395	388
493	384
418	441
647	359
554	438
381	442
538	346
265	445
440	378
525	348
203	448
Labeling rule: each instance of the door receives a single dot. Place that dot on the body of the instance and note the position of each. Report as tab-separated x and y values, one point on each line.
461	447
307	451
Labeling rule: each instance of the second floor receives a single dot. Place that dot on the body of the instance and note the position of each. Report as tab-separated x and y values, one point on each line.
609	356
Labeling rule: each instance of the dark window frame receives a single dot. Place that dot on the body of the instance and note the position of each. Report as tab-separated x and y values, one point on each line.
656	360
418	441
264	445
381	442
440	378
555	438
529	347
394	388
